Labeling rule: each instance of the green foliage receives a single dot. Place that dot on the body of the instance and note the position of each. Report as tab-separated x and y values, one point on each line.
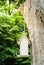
15	2
11	28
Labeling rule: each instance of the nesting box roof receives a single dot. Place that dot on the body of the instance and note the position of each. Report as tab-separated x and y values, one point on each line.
23	37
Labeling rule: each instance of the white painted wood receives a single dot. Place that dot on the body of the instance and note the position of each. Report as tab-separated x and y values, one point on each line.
23	45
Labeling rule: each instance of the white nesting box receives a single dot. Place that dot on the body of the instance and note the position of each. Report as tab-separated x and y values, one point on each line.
23	41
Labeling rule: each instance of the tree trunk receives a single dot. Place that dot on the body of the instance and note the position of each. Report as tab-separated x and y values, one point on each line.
34	18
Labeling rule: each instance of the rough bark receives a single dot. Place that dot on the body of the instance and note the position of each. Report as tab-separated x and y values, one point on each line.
34	19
